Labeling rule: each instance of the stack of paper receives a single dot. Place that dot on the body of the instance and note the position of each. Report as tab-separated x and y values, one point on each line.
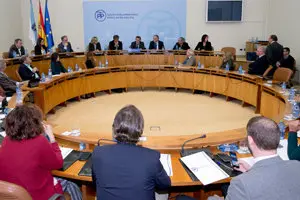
204	168
65	151
165	160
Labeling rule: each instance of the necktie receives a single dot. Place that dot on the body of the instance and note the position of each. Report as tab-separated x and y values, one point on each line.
157	46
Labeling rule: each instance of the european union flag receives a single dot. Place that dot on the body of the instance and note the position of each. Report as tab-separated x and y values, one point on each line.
48	29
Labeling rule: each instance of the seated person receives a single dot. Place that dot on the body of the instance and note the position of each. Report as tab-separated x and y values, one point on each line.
293	148
261	64
90	61
137	44
287	61
65	46
40	48
156	44
27	156
125	171
17	49
7	84
204	45
56	66
190	58
26	70
228	60
94	45
181	44
115	44
270	177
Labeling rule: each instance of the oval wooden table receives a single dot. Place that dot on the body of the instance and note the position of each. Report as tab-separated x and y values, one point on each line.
250	90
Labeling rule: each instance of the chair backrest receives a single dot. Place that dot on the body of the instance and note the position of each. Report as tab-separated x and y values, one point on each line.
5	55
267	71
18	76
232	50
10	191
282	74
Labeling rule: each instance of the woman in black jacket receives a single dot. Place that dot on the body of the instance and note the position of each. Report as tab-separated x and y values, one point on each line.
40	48
204	45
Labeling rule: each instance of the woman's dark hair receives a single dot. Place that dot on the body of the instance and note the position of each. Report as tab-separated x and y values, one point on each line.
39	41
24	122
203	37
54	57
128	125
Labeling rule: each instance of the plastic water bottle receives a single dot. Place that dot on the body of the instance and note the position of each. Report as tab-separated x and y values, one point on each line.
241	70
43	78
82	146
283	86
199	64
176	62
227	67
14	54
106	63
282	128
69	69
19	99
76	68
50	51
295	110
49	74
291	95
100	64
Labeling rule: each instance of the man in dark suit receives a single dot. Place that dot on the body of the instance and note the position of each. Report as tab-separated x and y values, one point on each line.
65	46
137	44
287	61
115	44
8	85
259	66
156	44
181	44
274	51
125	171
26	70
17	49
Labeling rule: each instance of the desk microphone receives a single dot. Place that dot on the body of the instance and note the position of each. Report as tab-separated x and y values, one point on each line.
114	141
182	147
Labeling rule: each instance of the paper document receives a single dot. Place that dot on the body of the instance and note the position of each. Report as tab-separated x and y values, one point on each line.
204	168
3	134
65	151
165	160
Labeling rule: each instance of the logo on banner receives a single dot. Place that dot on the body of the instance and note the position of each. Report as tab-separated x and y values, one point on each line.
100	15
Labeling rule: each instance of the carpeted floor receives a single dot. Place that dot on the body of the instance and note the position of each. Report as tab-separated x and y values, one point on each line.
165	112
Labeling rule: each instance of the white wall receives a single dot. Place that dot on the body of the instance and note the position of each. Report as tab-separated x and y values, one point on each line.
10	23
67	18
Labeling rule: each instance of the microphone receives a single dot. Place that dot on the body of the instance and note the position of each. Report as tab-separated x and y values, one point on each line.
187	141
98	143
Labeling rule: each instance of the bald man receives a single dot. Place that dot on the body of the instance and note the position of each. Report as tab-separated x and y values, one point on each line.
259	66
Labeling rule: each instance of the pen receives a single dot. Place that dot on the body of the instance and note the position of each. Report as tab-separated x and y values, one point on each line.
219	163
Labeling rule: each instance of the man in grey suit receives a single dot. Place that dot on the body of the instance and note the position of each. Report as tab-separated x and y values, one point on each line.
8	85
190	58
270	178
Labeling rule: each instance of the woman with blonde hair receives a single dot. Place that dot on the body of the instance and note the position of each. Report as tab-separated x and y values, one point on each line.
228	60
94	45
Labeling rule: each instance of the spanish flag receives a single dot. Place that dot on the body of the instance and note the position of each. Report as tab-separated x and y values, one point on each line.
41	25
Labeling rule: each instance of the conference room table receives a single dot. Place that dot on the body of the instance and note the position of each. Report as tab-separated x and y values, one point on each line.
154	71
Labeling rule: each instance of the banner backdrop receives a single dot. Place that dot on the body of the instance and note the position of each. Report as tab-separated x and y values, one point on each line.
166	18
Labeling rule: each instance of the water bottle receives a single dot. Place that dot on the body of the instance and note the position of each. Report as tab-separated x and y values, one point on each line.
69	69
50	51
283	86
100	64
282	128
43	78
106	63
199	64
76	68
241	70
227	67
82	146
291	95
19	99
14	54
49	73
295	110
176	62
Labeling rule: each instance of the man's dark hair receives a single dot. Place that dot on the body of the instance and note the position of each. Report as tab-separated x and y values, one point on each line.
116	37
17	40
138	37
24	122
264	132
156	36
287	49
274	37
62	37
128	125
